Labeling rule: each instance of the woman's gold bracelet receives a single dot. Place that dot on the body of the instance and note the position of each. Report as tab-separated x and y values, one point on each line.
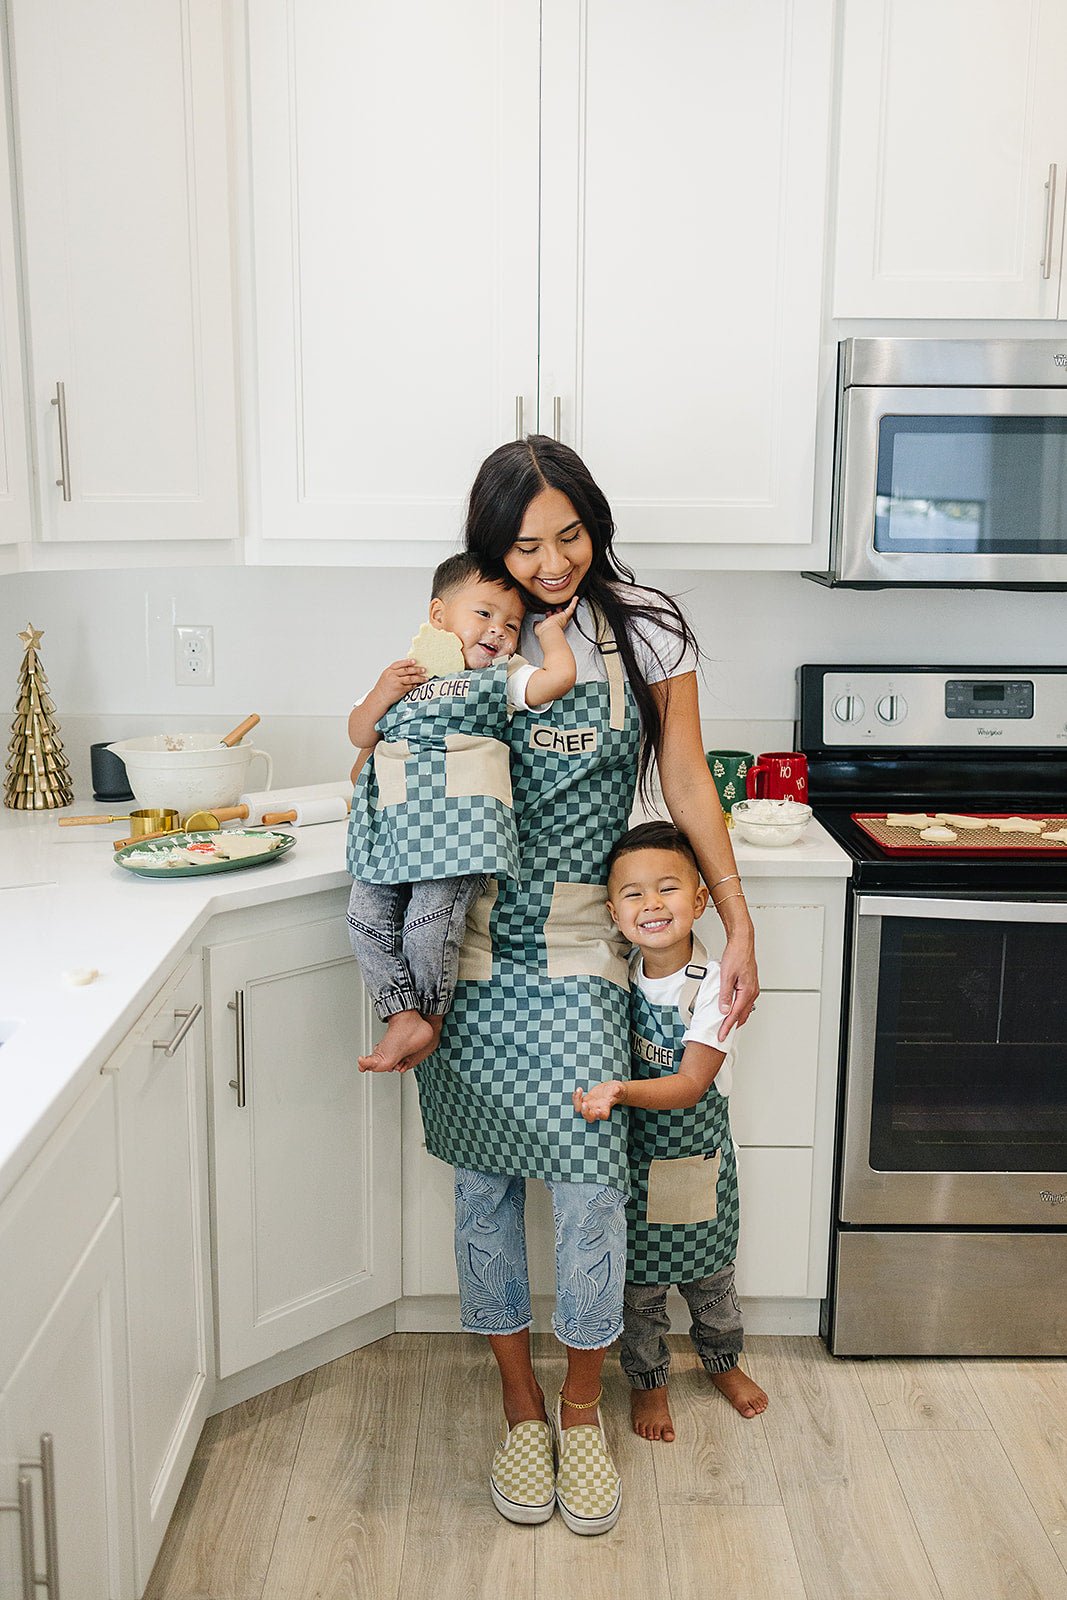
727	878
739	894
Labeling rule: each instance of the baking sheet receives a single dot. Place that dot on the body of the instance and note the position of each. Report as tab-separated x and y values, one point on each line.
969	842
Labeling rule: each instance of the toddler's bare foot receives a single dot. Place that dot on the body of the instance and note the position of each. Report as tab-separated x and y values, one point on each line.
405	1033
744	1395
651	1415
435	1024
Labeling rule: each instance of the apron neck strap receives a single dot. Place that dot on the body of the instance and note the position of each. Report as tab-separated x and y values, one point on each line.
695	973
605	640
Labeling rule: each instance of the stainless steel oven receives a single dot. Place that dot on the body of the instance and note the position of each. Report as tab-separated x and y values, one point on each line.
950	1209
950	464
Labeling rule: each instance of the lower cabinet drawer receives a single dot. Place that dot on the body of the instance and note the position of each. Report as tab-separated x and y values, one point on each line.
775	1192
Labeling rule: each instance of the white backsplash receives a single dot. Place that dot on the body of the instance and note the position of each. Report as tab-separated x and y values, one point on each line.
299	644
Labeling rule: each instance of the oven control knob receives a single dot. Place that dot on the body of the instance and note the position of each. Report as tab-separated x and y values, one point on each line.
892	708
848	708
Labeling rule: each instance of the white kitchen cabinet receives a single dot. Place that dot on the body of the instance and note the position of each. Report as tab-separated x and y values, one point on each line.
623	226
394	199
952	159
121	120
159	1075
63	1364
306	1149
782	1116
14	462
684	160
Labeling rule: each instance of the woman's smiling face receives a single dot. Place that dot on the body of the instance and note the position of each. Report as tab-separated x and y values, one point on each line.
552	552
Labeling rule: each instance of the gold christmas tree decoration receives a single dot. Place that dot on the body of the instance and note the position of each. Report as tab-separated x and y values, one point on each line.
38	774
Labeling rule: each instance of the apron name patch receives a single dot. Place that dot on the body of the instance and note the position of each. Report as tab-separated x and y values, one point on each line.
440	689
563	741
657	1055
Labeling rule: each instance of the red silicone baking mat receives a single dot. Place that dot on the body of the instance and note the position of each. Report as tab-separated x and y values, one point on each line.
968	842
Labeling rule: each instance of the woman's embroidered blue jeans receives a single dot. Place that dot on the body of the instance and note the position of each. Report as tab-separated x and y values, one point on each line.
494	1281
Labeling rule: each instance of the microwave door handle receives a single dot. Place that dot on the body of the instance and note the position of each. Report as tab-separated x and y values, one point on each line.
869	905
1050	216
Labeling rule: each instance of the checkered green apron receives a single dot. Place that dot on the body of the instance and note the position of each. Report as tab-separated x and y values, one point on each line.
542	1002
669	1251
435	799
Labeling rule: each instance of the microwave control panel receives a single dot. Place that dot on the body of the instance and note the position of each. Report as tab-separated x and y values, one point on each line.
917	708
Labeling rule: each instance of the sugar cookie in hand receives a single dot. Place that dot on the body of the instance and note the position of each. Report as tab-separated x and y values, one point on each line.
439	651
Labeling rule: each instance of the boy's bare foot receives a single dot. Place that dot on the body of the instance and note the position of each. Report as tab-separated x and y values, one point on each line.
650	1414
744	1395
435	1024
405	1033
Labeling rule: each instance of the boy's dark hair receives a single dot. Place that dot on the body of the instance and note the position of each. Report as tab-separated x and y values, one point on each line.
462	569
654	836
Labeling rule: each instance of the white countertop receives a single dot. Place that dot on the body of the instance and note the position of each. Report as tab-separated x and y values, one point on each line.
64	905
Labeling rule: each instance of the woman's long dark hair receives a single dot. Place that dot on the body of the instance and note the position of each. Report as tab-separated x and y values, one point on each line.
507	481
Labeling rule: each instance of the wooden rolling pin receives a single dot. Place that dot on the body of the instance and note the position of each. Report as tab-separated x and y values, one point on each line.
272	801
306	812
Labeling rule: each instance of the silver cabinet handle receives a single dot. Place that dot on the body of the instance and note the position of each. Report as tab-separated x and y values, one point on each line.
31	1579
168	1046
520	413
557	416
60	402
1050	217
23	1508
237	1006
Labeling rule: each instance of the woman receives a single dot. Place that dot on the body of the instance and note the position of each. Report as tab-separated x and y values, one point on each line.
542	1000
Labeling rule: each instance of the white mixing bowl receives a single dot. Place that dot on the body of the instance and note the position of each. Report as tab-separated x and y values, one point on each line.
188	771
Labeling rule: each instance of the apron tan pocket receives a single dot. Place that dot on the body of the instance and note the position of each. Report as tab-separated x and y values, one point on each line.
683	1190
581	941
476	765
390	771
476	951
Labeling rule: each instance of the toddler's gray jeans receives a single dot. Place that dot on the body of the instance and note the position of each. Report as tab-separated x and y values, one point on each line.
716	1332
406	938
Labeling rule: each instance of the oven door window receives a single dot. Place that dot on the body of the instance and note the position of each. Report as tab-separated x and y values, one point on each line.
970	1069
972	485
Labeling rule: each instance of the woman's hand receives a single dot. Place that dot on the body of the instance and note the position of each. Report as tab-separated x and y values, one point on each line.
738	983
596	1104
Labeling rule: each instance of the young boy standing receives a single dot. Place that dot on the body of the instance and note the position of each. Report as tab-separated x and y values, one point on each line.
682	1215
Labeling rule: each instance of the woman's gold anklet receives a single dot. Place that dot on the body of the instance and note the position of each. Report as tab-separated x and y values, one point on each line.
582	1405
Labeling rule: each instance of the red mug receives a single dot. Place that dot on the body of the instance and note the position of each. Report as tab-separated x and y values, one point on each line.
779	775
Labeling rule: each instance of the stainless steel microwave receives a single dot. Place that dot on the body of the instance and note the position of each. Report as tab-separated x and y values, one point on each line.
950	464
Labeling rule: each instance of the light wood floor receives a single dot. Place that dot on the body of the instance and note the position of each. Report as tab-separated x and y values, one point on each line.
879	1480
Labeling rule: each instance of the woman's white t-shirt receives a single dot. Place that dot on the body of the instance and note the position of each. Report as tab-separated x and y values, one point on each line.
659	654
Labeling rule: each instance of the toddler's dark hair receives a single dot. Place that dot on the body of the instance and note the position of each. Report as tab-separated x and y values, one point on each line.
654	836
462	569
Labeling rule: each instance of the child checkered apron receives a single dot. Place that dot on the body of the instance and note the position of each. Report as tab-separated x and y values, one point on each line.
682	1213
542	1001
435	800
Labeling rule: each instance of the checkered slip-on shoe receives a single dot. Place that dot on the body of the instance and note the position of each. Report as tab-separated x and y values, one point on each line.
522	1479
588	1488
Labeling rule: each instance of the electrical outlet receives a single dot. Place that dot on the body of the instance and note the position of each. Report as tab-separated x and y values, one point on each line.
194	655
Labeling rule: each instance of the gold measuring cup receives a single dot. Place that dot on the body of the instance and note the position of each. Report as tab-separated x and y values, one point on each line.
195	822
142	822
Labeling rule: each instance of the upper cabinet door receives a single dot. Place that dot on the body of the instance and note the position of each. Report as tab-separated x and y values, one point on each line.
122	135
15	524
394	187
952	114
684	178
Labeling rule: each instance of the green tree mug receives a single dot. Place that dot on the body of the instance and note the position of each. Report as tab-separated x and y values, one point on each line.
729	770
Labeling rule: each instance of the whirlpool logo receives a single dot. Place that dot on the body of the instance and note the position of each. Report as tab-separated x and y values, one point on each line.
1060	360
1053	1199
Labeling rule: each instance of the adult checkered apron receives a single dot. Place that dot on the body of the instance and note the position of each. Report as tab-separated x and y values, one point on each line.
682	1213
435	800
542	1002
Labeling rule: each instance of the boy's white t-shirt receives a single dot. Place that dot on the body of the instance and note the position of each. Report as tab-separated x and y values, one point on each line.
707	1018
659	654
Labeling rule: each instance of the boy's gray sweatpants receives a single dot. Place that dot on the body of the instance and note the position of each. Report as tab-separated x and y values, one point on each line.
716	1332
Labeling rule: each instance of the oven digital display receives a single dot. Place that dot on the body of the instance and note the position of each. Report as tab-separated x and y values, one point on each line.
1013	698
